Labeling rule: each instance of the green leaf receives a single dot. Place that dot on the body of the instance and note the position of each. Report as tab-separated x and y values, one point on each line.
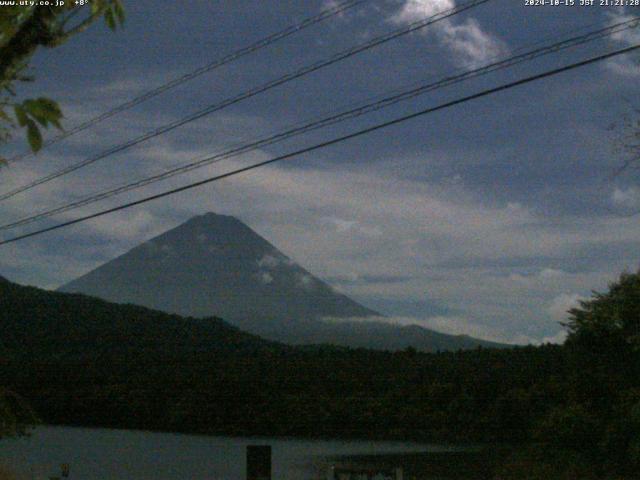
96	7
119	11
35	111
44	111
50	106
110	18
21	115
34	136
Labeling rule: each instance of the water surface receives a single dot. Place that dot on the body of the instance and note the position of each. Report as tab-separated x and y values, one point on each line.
125	454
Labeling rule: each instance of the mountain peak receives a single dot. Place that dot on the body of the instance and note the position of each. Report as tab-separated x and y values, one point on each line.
211	220
215	265
211	217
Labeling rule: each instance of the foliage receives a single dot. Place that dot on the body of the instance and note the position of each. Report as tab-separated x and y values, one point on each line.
609	320
16	417
570	427
628	142
23	29
533	463
6	473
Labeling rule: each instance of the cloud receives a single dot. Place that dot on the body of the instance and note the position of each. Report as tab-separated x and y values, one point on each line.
461	326
550	273
471	45
413	10
266	278
268	261
630	36
355	279
453	325
306	282
137	224
331	4
626	198
558	338
272	261
562	304
340	224
442	324
626	65
353	227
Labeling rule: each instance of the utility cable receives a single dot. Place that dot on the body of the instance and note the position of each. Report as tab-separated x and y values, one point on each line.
398	120
331	120
250	93
262	43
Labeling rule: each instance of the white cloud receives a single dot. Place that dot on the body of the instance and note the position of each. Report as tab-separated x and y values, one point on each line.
340	224
453	325
414	10
626	198
353	227
626	65
273	261
550	273
329	4
461	326
561	304
266	278
268	261
306	282
471	45
630	36
559	337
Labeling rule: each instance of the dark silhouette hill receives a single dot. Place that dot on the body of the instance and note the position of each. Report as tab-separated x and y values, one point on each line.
78	360
39	321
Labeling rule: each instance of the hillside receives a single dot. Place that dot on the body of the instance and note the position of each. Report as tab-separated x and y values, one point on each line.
35	320
83	361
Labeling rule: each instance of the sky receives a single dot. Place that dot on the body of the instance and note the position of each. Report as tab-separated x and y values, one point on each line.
491	218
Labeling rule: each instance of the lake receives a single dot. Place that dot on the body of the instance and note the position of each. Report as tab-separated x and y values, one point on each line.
125	454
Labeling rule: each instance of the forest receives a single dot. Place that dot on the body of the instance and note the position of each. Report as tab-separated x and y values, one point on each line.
570	411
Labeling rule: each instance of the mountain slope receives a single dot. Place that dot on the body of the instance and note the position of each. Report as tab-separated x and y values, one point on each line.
214	265
38	321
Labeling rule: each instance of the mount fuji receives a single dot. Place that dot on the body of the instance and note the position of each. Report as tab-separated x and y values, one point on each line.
215	265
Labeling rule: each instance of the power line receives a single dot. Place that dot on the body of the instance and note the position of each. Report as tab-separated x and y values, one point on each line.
251	93
331	120
258	45
334	141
